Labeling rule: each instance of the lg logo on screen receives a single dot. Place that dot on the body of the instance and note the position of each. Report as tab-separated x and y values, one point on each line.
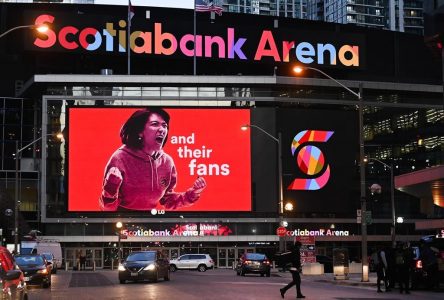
310	159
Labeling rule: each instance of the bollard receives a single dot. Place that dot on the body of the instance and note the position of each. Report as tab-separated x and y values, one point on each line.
94	265
112	264
66	266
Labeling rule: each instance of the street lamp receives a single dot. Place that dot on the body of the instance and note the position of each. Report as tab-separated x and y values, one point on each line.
17	202
289	206
364	259
392	199
278	140
40	28
119	226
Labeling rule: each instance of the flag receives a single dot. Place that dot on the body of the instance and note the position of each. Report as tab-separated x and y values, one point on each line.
207	5
130	12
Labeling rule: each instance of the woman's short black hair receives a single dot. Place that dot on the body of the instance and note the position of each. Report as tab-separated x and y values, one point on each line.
129	133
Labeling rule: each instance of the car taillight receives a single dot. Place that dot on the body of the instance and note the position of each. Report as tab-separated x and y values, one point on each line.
247	262
418	264
211	261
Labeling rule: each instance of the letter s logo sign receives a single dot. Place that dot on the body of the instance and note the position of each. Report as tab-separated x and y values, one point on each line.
51	38
310	159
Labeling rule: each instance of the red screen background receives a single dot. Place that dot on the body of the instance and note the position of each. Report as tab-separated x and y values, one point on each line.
94	136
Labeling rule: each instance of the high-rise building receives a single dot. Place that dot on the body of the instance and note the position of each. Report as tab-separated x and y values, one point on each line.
395	15
282	8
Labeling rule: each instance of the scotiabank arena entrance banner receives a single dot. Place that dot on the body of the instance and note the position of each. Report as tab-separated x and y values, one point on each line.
154	159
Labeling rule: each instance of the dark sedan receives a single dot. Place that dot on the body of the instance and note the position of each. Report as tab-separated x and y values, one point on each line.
256	263
35	269
144	265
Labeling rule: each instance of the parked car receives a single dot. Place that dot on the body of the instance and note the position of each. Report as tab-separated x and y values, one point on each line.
424	275
12	281
326	261
144	265
257	263
50	259
35	269
200	262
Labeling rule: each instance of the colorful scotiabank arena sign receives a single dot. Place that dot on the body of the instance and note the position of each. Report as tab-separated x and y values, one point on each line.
230	45
198	143
227	40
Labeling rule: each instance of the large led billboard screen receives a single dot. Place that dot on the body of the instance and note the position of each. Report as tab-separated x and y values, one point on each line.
320	150
172	159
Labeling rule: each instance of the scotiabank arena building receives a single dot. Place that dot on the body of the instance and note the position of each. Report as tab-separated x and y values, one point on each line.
275	148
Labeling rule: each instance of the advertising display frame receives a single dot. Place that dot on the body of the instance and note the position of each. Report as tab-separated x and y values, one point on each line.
56	212
264	201
161	213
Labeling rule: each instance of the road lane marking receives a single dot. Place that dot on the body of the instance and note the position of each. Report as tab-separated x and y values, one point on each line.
251	282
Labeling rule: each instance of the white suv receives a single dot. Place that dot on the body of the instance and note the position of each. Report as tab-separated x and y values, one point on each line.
200	262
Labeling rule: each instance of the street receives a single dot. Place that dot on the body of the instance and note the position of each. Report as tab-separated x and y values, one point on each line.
213	284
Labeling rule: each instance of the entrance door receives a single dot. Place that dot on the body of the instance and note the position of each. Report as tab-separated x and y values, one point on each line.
93	255
171	253
70	257
226	257
222	255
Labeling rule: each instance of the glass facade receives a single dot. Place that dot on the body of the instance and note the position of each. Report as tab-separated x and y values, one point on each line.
281	8
397	15
408	138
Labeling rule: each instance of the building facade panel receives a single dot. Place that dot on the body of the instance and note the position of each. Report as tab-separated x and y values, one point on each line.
403	121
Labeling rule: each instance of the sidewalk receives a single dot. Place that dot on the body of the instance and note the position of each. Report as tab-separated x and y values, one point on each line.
353	279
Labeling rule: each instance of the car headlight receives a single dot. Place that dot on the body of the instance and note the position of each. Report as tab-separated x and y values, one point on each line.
150	267
43	271
121	267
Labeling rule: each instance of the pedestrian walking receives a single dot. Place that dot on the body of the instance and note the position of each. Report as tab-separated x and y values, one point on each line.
82	262
403	259
380	262
295	270
391	267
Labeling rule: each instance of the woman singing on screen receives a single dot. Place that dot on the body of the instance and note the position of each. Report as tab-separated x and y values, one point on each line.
139	175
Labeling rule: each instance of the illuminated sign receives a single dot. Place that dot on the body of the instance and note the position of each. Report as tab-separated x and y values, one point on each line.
181	230
319	232
230	45
310	159
306	239
318	157
154	159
